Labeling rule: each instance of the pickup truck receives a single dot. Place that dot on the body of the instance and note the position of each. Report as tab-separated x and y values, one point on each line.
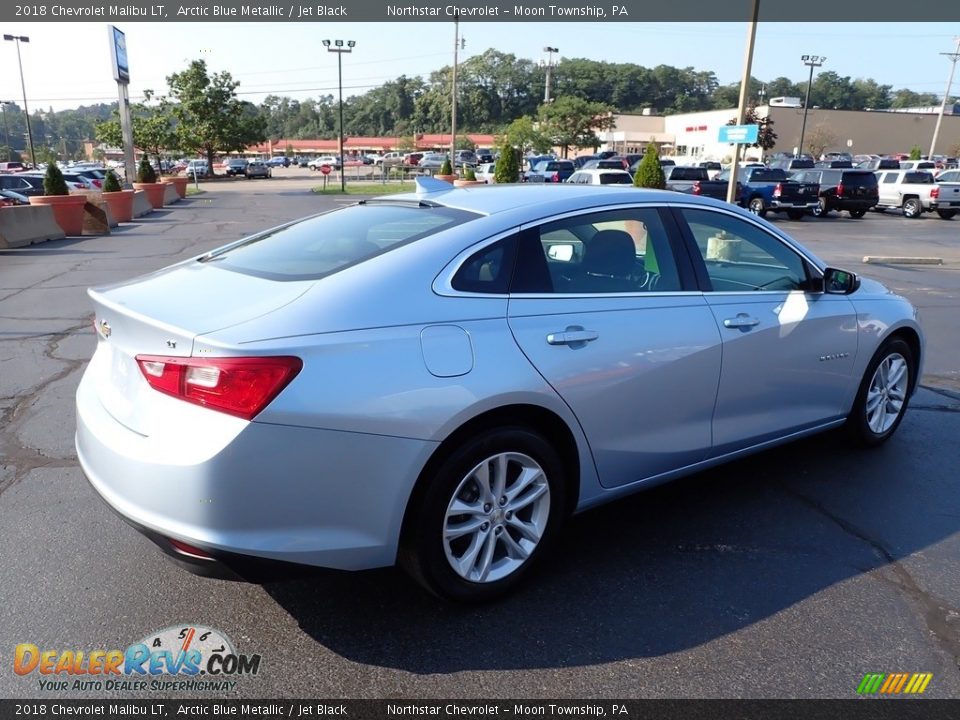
771	190
694	181
914	192
552	171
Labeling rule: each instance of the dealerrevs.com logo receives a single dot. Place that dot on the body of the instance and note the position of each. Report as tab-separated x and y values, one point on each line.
181	657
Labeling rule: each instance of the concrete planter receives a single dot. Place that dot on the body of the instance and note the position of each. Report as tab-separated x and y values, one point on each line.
467	183
154	192
446	178
180	183
120	204
67	211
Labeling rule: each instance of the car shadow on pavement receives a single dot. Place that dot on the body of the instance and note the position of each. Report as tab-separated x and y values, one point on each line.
660	572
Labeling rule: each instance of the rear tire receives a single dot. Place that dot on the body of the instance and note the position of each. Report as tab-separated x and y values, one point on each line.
821	210
757	207
946	214
857	213
884	394
912	208
491	510
795	214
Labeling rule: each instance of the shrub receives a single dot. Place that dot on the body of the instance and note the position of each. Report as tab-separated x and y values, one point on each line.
468	173
111	183
145	171
649	173
446	168
508	165
915	152
53	182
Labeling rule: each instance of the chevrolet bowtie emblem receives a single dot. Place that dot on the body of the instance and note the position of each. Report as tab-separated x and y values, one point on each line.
104	328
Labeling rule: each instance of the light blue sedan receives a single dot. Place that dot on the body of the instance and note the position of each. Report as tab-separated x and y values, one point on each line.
440	379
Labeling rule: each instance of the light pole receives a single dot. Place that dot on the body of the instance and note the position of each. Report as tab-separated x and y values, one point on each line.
6	128
548	66
813	61
26	111
954	56
458	44
338	48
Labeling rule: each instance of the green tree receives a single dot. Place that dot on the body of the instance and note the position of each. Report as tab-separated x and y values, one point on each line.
111	183
572	122
153	127
446	168
145	171
915	152
53	182
522	133
649	174
508	165
209	116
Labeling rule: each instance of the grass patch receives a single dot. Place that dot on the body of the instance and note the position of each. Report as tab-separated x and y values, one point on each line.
368	188
194	190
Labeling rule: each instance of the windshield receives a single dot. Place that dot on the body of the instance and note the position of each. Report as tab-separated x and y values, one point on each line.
322	245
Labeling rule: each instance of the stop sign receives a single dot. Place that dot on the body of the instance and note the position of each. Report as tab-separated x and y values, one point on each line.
325	169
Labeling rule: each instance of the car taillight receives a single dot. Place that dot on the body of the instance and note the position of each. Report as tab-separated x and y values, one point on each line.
777	190
79	186
97	183
555	178
840	190
697	190
237	386
935	192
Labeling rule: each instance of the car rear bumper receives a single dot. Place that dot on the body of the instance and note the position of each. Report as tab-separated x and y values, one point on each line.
265	492
791	205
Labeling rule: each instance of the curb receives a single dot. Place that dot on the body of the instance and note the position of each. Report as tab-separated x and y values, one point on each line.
886	260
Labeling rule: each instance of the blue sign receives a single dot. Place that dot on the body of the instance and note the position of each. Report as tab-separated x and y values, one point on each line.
739	134
118	55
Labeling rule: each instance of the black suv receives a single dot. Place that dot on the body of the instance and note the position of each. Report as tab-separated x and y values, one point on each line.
855	191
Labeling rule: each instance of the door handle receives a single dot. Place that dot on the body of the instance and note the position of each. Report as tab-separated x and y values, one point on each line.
741	321
572	337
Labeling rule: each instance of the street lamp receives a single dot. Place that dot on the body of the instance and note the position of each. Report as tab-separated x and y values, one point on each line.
19	39
813	61
548	66
6	128
337	47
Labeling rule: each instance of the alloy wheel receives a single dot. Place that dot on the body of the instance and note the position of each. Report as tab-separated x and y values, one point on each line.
887	393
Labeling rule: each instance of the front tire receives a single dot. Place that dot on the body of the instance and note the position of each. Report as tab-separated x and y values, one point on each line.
946	214
821	210
883	395
489	512
857	213
795	214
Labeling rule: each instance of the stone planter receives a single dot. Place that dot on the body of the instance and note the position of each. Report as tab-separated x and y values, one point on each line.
154	192
67	210
180	183
467	183
446	178
120	204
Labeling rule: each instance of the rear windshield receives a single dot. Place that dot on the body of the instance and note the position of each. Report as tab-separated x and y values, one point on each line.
865	179
320	246
687	173
919	178
772	175
615	179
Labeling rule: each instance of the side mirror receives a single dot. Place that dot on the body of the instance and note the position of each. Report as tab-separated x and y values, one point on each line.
839	282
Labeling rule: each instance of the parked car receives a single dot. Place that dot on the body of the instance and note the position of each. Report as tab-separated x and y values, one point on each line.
278	161
318	162
412	158
928	165
552	171
580	160
391	159
12	167
200	168
772	190
75	183
611	163
713	168
833	164
484	155
600	176
485	172
948	182
790	164
914	192
22	184
465	157
879	164
852	190
257	169
694	180
236	166
644	338
432	161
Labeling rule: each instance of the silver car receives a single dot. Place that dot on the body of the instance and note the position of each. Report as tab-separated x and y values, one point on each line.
442	378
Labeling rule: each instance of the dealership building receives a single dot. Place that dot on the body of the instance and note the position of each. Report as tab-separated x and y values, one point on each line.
695	135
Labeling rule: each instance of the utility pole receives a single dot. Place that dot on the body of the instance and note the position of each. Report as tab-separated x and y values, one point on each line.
954	56
744	93
813	61
453	92
548	67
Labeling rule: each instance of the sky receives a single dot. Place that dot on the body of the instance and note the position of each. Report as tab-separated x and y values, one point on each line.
66	65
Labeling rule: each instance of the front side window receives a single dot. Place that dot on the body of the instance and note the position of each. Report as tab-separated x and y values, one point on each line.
740	257
619	251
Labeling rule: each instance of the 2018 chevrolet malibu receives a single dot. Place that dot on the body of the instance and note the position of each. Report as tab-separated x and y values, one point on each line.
441	378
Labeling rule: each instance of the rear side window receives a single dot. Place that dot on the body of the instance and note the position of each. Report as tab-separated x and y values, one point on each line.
489	270
683	173
774	175
615	179
320	246
919	178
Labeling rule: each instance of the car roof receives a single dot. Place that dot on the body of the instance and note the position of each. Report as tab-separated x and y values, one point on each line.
550	197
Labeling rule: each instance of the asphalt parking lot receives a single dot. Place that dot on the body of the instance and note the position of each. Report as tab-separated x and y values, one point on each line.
789	574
